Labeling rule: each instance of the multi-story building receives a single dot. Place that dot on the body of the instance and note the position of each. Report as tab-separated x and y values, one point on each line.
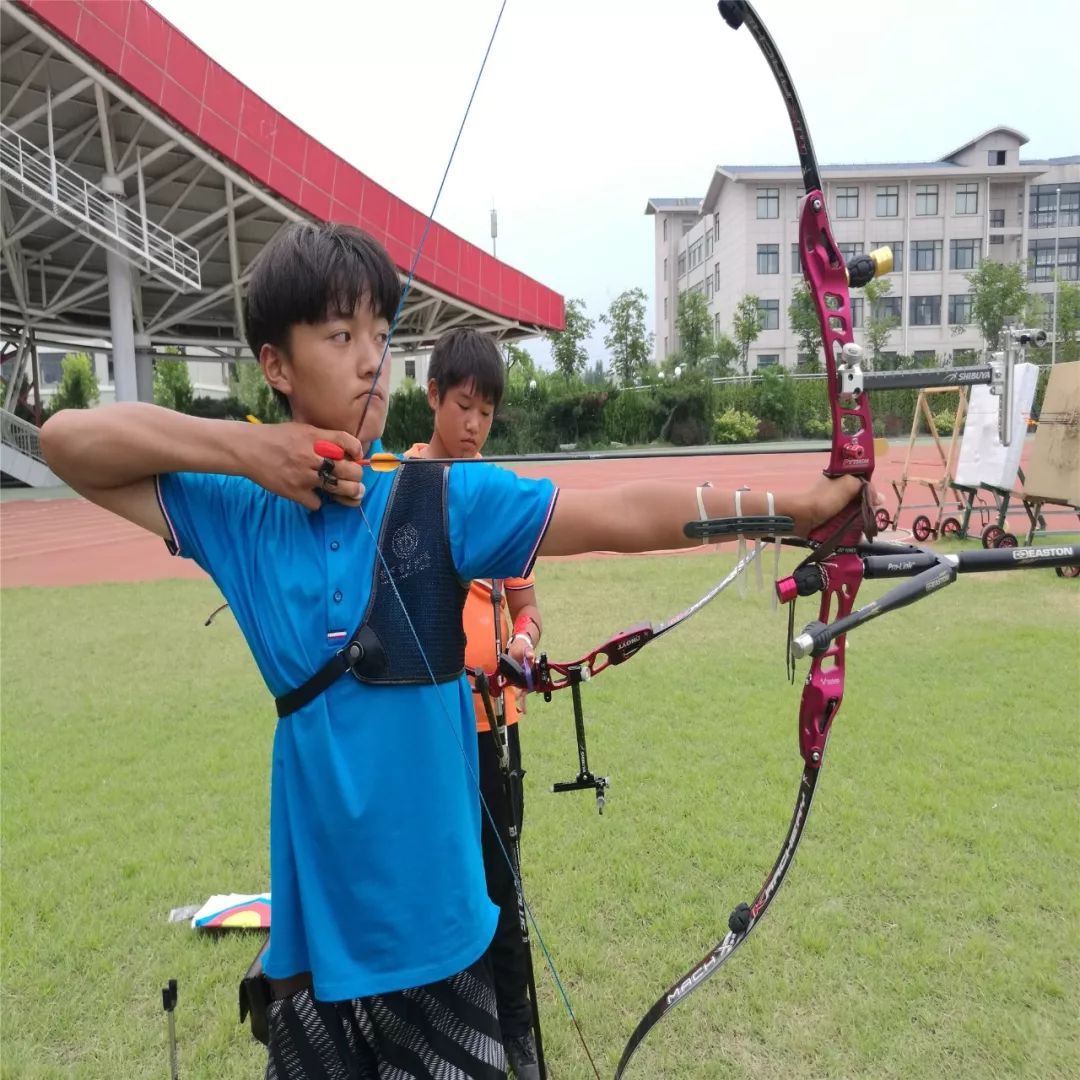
939	217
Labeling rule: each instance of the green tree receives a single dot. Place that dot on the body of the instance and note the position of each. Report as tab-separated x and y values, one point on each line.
999	293
254	393
1068	321
746	325
172	382
776	400
596	375
518	358
694	325
567	345
806	326
627	339
78	387
878	323
724	357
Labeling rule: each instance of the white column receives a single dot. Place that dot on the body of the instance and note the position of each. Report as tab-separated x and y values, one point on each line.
144	367
121	323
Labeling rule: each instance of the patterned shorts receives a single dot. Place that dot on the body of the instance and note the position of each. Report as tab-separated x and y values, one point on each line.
446	1030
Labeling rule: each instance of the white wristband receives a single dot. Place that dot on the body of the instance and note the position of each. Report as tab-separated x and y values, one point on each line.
524	637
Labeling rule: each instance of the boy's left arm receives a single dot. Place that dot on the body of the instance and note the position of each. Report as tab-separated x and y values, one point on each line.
649	515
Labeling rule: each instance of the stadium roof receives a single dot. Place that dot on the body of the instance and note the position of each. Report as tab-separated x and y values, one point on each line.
96	87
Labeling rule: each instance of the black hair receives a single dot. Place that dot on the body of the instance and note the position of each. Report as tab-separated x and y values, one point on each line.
313	271
467	356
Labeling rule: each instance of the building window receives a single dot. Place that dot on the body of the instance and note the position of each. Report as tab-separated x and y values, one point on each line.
665	351
1069	259
925	358
1041	259
1045	201
665	309
1043	206
769	314
682	263
718	326
994	240
857	304
768	202
897	249
768	258
889	360
665	268
708	244
967	198
926	255
849	251
965	357
925	311
847	202
888	201
1070	206
796	260
995	157
889	307
410	370
997	219
665	228
765	360
926	200
716	228
960	309
716	277
964	254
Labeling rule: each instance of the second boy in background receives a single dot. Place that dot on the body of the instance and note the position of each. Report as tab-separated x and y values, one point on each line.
466	379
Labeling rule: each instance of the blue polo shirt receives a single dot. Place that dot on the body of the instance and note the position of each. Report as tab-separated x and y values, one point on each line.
376	868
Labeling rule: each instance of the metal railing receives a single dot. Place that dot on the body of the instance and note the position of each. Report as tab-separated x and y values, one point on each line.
62	192
21	436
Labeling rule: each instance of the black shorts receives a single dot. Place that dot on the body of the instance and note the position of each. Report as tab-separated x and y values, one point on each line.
446	1030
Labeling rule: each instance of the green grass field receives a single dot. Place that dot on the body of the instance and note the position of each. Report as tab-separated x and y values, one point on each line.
929	928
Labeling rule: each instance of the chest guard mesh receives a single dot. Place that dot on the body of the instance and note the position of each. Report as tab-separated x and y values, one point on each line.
415	564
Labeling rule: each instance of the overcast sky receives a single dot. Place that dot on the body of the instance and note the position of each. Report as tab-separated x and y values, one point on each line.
588	108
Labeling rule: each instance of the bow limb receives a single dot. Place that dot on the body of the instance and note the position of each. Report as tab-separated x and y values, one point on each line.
551	675
839	572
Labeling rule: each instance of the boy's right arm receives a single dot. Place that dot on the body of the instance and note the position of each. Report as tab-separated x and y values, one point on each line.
111	455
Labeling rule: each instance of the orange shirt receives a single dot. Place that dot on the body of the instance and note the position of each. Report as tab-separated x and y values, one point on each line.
478	620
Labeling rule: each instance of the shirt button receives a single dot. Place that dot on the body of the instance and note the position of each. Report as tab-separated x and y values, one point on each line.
334	545
337	597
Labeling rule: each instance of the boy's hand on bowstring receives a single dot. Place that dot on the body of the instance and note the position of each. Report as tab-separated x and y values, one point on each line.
521	650
283	460
827	498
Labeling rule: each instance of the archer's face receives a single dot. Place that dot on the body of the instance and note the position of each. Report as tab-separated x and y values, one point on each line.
462	419
329	373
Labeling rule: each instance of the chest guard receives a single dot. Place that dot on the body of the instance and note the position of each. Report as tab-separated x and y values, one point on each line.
414	570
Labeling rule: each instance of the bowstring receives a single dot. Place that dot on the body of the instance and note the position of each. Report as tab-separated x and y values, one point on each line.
548	959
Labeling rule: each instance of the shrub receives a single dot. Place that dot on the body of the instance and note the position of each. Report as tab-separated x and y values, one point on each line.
78	387
408	417
732	426
172	385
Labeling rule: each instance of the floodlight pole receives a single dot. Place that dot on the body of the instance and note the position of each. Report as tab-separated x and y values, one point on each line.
1057	237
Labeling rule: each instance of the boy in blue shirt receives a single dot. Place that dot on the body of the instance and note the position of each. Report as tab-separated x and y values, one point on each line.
381	914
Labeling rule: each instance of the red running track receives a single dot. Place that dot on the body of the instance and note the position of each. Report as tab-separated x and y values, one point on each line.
73	542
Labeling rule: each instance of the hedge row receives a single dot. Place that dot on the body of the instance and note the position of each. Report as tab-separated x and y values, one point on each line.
687	413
